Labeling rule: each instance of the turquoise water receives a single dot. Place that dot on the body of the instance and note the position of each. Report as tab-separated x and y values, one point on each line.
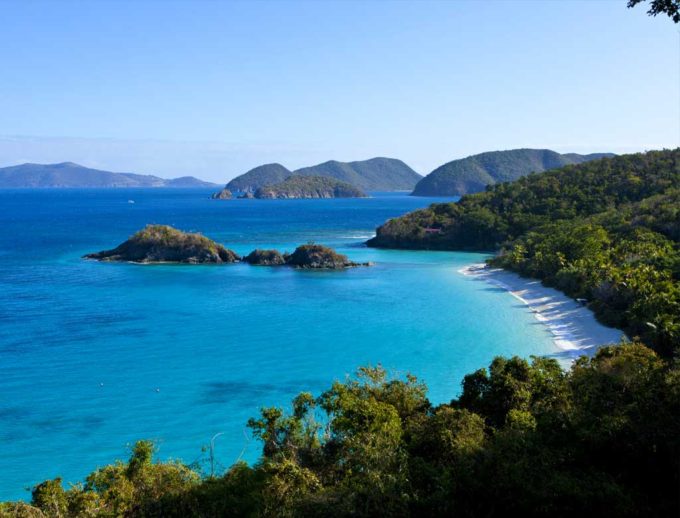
94	356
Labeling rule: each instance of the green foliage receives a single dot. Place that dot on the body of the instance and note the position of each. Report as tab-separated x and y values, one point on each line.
318	256
162	243
375	174
259	176
668	7
297	186
525	438
607	231
474	173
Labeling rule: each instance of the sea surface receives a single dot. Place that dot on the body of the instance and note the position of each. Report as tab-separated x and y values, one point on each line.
94	356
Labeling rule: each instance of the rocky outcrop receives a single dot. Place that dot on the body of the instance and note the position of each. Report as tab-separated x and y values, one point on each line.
224	194
319	256
246	196
309	256
265	258
164	244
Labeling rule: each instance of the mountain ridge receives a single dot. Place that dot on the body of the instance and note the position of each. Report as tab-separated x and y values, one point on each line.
64	175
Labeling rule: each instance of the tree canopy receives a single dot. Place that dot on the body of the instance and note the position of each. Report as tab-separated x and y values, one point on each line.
668	7
523	438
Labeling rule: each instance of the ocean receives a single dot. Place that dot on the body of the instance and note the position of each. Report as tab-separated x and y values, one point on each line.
95	356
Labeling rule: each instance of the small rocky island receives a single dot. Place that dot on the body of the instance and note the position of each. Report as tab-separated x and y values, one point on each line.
265	258
319	256
310	256
165	244
295	187
224	194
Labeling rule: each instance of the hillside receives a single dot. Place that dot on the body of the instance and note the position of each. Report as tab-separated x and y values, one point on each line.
309	187
376	174
474	173
70	175
259	177
607	231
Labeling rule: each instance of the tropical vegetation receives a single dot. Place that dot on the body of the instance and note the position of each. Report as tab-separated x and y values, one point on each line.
606	231
309	187
474	173
524	438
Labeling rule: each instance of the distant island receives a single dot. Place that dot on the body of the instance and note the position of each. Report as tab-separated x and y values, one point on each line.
376	174
259	177
165	244
224	194
70	175
309	187
474	173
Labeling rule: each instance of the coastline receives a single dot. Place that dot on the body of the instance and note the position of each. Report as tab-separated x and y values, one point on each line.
574	328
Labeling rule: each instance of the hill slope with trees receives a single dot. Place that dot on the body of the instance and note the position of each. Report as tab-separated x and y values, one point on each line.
607	231
309	187
375	174
474	173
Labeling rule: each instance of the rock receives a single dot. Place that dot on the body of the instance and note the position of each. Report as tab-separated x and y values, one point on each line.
319	256
224	194
265	258
246	196
164	244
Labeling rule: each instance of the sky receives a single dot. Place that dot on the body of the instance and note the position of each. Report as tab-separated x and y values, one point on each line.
213	88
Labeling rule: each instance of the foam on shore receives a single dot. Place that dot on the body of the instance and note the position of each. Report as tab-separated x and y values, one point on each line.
573	326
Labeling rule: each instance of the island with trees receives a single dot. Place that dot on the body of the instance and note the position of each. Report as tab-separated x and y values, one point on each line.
165	244
161	244
296	187
375	174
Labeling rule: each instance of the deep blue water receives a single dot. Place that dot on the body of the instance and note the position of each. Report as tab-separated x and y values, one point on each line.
94	356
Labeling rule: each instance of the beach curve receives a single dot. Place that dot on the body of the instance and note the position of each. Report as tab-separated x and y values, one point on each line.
574	327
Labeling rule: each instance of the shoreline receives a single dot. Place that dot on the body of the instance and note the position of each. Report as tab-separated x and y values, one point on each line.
574	328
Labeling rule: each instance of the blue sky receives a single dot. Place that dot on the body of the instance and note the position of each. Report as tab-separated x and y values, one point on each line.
212	88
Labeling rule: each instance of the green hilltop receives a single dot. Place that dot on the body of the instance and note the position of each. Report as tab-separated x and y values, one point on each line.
309	187
259	177
474	173
376	174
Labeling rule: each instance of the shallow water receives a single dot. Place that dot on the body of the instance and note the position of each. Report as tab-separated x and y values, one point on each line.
94	356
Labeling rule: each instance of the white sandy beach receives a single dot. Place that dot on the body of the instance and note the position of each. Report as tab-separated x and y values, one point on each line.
574	327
